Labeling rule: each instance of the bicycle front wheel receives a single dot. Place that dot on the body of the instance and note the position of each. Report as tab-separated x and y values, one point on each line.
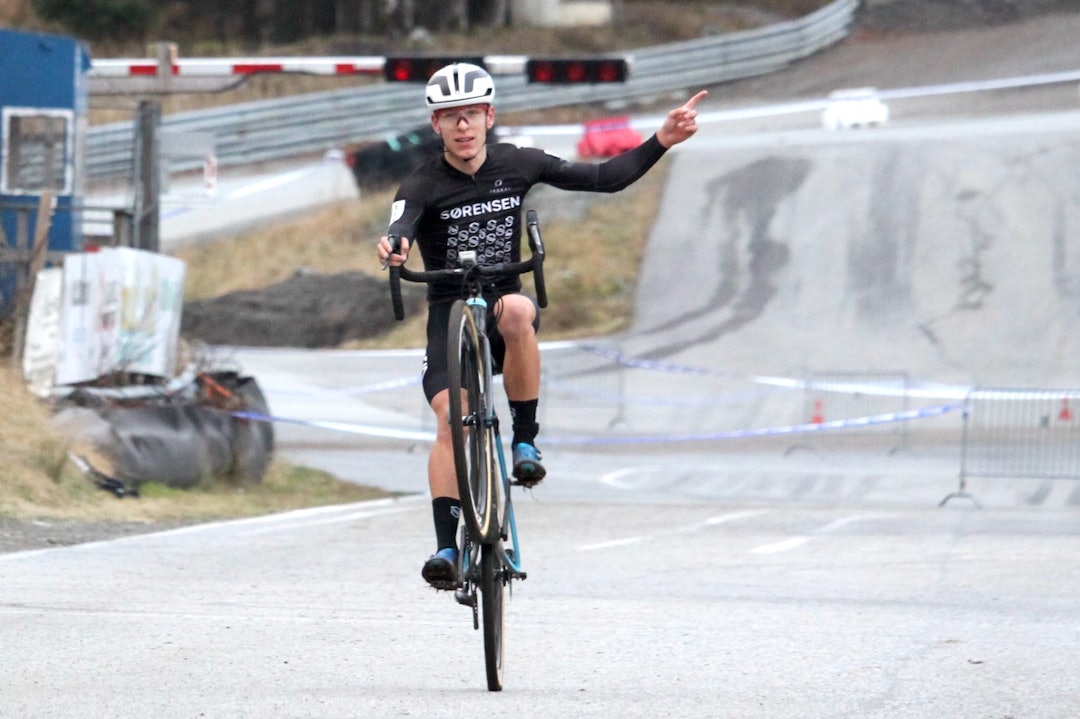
471	431
491	605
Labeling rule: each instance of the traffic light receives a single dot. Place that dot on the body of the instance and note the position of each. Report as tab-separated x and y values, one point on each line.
573	71
420	68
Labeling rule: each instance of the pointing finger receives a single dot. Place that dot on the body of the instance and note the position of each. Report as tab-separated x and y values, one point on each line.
695	100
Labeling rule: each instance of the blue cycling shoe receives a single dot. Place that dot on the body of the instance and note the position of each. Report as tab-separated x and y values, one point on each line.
527	468
441	571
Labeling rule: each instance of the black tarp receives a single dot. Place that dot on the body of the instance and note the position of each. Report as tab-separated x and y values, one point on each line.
179	439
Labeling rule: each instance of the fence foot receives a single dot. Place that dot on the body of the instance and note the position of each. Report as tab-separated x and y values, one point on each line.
801	445
961	494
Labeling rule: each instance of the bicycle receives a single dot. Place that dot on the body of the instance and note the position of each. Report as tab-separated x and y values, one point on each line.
489	554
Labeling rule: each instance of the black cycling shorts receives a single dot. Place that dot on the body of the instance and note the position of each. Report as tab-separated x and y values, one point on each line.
435	371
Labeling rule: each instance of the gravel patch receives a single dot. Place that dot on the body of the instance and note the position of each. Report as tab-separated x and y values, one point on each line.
19	535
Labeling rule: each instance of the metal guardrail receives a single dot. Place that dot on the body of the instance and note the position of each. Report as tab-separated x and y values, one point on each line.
288	127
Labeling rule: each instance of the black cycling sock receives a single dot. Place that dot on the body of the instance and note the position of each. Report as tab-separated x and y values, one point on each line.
523	416
446	511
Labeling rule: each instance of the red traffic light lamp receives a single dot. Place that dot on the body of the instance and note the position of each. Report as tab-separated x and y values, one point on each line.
413	68
569	71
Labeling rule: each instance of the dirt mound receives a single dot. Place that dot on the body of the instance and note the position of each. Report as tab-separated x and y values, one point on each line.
307	310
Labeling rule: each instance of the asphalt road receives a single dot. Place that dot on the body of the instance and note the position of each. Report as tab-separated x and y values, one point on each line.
792	574
779	609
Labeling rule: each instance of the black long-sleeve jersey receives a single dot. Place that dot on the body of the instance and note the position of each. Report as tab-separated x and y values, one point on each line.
444	211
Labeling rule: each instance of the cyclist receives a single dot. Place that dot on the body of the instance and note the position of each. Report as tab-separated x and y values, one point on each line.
470	198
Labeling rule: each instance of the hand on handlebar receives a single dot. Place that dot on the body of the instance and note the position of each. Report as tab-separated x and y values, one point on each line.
388	255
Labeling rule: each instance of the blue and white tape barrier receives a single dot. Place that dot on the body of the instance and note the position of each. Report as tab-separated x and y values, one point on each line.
424	436
954	394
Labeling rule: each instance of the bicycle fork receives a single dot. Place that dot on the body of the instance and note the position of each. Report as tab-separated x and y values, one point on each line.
506	546
485	420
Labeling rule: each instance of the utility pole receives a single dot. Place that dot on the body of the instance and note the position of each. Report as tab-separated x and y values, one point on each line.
147	177
148	157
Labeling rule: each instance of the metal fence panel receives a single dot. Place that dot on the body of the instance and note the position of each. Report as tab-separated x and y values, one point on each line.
1021	433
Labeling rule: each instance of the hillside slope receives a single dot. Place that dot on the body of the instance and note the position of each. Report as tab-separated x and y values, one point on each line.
945	247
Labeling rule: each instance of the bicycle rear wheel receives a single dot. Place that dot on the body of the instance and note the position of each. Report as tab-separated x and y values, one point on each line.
491	605
471	433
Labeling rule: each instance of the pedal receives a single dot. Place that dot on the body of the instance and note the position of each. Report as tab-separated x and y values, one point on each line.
465	598
525	483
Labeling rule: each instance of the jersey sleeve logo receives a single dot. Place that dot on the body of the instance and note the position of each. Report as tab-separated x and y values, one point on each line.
397	210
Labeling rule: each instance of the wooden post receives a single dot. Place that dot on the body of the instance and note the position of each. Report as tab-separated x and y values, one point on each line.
148	176
38	252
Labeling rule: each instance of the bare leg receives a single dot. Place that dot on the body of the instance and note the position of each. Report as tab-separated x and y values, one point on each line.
521	377
521	366
442	479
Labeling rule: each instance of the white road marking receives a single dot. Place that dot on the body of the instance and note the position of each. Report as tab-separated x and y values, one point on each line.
781	546
710	522
795	542
270	183
350	517
614	479
610	544
725	518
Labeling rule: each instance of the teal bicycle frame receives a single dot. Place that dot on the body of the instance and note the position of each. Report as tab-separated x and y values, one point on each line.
509	556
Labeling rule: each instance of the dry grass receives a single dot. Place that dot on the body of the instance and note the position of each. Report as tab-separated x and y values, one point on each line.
284	487
34	455
40	482
336	238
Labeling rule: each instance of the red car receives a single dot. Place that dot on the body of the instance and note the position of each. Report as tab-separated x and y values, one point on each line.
607	138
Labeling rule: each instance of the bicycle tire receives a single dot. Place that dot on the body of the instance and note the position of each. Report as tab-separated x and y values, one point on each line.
491	607
471	436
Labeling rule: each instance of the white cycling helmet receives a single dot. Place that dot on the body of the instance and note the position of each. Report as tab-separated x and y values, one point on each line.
458	85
